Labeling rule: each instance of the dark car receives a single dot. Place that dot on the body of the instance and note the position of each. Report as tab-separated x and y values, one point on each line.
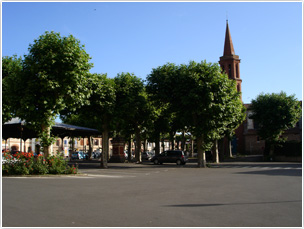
170	156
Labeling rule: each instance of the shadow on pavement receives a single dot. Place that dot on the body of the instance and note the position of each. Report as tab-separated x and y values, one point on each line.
223	204
275	172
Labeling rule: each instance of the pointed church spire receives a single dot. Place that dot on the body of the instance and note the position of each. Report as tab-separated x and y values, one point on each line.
228	47
229	62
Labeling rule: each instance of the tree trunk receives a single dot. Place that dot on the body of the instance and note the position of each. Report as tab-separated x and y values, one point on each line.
177	144
201	162
230	148
172	134
62	146
73	144
145	145
216	152
192	146
157	148
271	151
222	152
46	149
183	141
90	146
129	148
138	146
105	148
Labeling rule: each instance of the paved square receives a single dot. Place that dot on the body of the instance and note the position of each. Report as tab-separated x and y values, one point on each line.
145	195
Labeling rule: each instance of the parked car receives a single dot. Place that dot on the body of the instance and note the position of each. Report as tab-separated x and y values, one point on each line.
78	155
146	156
86	156
97	154
170	156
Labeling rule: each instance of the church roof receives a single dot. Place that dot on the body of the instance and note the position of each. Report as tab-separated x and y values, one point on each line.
228	47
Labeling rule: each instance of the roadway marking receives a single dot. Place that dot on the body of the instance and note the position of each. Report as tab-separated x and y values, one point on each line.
86	176
108	176
254	167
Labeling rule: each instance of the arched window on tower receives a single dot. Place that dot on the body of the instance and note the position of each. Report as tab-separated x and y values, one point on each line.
229	71
237	70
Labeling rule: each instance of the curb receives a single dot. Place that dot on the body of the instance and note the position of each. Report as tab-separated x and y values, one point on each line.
47	175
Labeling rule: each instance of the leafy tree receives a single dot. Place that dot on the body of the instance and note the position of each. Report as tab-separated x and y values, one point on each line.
211	101
159	88
203	98
160	119
11	68
98	112
275	113
53	78
132	108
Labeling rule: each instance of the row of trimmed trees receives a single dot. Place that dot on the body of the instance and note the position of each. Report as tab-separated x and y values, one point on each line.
54	79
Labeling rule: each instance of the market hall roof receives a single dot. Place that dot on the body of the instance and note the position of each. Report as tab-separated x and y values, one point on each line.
17	128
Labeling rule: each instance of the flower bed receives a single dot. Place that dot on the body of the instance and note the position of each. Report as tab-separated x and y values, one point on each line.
28	164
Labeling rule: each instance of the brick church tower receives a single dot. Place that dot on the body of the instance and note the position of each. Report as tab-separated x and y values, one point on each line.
229	62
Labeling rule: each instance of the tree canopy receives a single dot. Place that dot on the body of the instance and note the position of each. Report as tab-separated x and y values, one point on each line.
202	98
11	68
53	77
99	110
274	113
132	108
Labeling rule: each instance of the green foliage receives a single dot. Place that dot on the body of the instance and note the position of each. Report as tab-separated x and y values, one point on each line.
53	77
99	110
11	68
132	108
100	105
160	84
199	96
39	166
28	164
211	99
45	138
275	113
56	165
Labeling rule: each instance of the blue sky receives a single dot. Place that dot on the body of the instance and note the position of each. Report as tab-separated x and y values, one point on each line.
138	36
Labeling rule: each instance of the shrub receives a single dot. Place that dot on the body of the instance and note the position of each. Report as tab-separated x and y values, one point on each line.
72	169
39	165
27	163
57	165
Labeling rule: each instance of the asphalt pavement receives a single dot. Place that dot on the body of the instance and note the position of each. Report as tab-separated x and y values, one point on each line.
235	194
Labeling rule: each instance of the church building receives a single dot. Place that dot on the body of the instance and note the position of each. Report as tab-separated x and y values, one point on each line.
246	140
230	63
